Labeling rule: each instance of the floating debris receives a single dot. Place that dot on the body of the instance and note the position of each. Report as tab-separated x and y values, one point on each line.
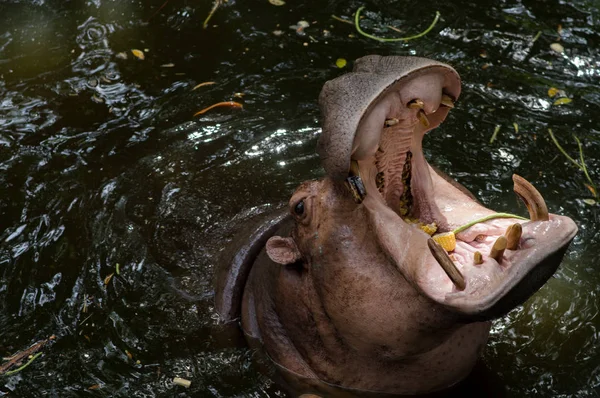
121	55
232	104
107	279
182	382
18	358
342	19
277	2
216	5
202	85
580	165
170	65
557	47
138	54
340	62
383	39
496	130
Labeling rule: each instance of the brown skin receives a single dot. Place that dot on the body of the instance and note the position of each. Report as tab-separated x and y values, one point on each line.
347	295
344	314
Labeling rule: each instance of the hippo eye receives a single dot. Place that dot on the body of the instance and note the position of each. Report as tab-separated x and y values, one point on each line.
299	208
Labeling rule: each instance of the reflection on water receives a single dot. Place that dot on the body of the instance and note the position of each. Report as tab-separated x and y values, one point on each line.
103	168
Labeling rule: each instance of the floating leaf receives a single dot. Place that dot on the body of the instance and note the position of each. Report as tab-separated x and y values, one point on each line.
557	47
128	354
277	2
340	62
108	278
167	65
138	54
563	101
516	127
552	91
592	190
590	202
94	387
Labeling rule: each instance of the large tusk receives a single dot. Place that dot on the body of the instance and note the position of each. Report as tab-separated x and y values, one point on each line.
513	236
447	264
538	211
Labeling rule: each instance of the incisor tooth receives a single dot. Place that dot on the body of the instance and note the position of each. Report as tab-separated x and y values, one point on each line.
538	211
498	249
513	236
477	258
446	263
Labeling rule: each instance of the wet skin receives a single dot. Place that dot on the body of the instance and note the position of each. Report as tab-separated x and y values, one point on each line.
344	290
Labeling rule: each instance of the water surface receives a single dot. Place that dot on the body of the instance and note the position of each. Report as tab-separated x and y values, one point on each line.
103	166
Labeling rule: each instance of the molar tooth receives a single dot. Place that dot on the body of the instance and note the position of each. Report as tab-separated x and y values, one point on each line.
498	249
390	122
538	211
447	101
423	118
446	263
513	236
477	258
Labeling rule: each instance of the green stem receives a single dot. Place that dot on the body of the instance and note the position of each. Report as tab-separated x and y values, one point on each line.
583	166
341	19
560	148
383	39
12	372
486	218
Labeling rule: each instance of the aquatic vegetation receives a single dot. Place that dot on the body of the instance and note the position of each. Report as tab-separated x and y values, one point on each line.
580	165
383	39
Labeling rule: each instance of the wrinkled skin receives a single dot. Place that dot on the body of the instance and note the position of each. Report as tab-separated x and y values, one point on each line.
348	295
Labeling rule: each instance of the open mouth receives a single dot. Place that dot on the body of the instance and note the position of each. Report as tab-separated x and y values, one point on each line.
453	249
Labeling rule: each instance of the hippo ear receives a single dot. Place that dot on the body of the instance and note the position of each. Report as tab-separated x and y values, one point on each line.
283	250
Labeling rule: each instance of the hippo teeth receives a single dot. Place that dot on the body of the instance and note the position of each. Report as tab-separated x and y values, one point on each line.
513	236
447	264
538	211
498	248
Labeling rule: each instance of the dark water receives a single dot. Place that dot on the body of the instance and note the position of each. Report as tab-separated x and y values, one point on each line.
102	163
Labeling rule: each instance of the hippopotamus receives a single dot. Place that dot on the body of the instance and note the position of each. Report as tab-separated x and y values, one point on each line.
348	288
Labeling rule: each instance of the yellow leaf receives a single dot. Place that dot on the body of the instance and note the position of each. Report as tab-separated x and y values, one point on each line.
516	126
340	62
552	91
592	189
277	2
590	202
563	101
138	54
108	278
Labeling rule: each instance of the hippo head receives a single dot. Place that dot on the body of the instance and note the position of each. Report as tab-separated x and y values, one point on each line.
374	213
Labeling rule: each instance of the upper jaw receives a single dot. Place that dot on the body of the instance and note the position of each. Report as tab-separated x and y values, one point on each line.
380	103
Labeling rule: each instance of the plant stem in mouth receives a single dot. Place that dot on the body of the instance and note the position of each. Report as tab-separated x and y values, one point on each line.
486	218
